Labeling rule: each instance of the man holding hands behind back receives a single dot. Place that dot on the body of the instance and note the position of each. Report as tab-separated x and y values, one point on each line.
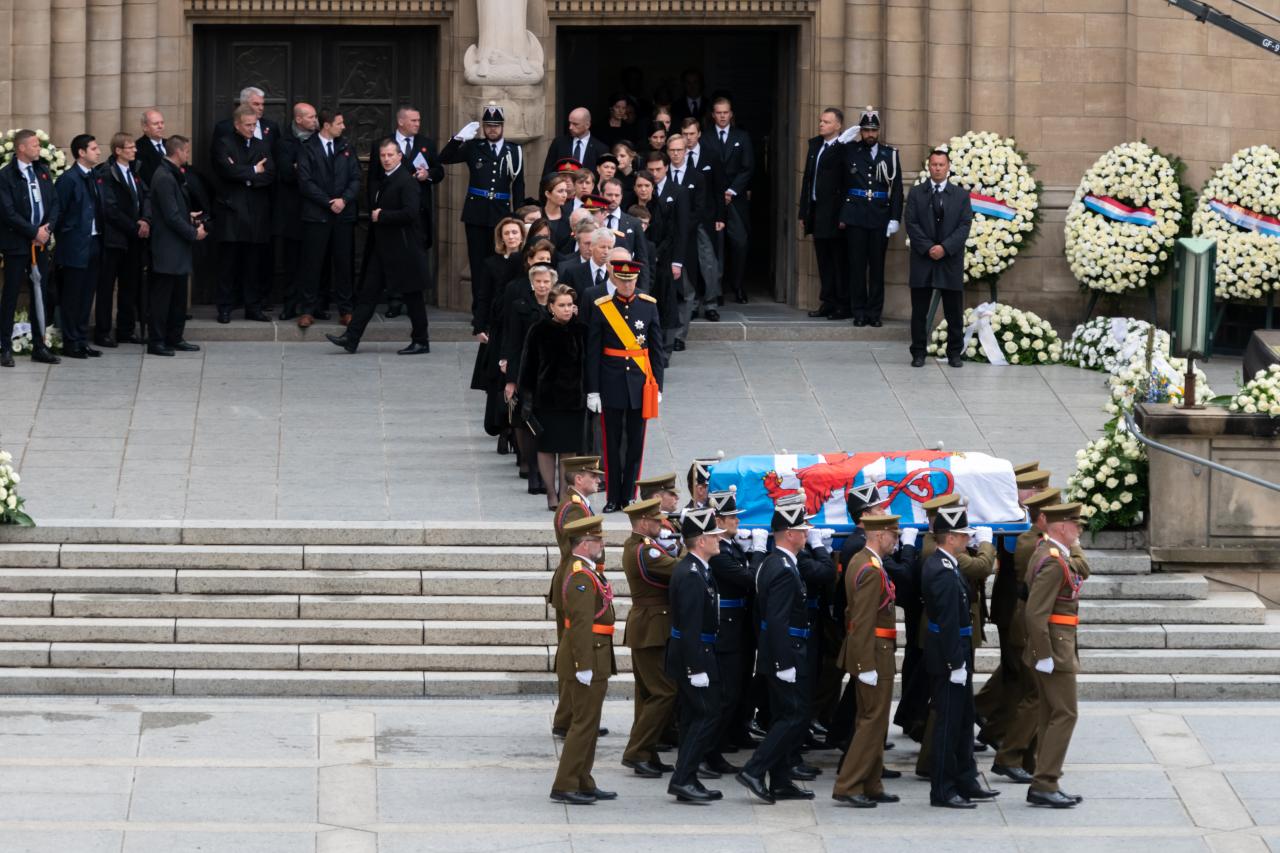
938	218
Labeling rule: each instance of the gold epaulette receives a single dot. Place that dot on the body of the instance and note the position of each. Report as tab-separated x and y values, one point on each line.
646	297
603	299
576	499
1053	552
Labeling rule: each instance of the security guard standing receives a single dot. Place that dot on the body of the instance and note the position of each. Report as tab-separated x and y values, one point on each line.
648	569
580	477
624	361
872	213
691	652
1052	616
496	182
868	655
585	660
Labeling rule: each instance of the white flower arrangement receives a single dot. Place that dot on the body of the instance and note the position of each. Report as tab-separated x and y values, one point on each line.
1133	383
11	511
1260	395
1000	334
1110	480
1240	208
52	155
1126	214
1005	198
1110	343
21	344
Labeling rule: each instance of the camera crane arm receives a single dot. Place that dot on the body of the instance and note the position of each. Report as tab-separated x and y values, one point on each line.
1204	13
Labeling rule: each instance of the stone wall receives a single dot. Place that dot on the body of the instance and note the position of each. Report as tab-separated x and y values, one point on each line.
1069	78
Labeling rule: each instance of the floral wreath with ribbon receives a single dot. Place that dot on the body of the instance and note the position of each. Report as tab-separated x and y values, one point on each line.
1240	208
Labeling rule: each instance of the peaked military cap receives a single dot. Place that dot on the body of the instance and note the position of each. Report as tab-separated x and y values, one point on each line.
581	465
700	472
1025	467
862	497
595	202
951	519
650	486
725	503
493	114
1037	502
568	164
626	271
699	522
1063	512
789	516
932	507
872	523
581	528
647	508
1033	480
870	119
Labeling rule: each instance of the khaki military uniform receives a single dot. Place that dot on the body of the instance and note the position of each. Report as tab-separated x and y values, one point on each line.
572	508
586	644
1052	614
869	643
1017	744
648	568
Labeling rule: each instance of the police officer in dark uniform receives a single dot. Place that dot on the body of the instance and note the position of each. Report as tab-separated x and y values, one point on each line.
496	182
691	660
871	214
624	359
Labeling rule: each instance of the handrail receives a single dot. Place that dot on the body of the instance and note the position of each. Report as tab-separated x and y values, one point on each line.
1191	457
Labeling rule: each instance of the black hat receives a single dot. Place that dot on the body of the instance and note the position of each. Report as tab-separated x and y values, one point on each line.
725	503
861	498
493	114
698	522
606	157
870	119
789	516
951	519
700	471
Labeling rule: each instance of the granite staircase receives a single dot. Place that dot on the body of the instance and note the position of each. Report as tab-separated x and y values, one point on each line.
412	610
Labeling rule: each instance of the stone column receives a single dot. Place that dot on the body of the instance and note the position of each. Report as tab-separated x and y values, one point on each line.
138	82
991	65
67	64
32	21
864	41
6	62
904	111
948	63
102	71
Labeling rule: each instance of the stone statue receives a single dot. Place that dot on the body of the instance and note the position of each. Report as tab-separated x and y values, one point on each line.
506	52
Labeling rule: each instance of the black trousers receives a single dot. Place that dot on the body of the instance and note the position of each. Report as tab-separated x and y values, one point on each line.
731	676
790	720
76	288
240	266
733	256
833	275
479	247
168	310
952	311
954	770
331	245
866	247
17	276
118	277
622	434
374	280
698	709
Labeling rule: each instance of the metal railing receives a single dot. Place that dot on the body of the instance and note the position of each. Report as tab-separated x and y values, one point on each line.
1197	460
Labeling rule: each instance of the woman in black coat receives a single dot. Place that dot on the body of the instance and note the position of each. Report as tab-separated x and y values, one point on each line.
523	312
551	386
505	264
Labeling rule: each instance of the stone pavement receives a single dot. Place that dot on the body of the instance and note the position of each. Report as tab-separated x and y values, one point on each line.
334	776
269	430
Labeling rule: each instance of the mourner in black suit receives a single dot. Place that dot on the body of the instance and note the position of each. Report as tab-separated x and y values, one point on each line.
246	171
28	215
495	183
78	249
782	612
691	103
668	228
871	215
126	212
948	654
578	144
699	280
691	661
821	199
150	144
329	182
938	218
264	129
732	146
628	232
286	207
620	376
397	259
173	237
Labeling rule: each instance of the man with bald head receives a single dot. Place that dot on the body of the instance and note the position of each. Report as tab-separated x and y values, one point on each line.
578	143
286	213
150	144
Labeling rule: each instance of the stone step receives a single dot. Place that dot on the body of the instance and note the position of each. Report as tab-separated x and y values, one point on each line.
1263	636
1164	587
173	605
1218	607
301	582
1118	562
434	607
90	580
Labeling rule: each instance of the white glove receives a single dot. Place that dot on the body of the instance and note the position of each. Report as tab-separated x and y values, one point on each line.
827	535
908	536
892	228
593	403
744	537
788	675
985	535
813	537
659	396
759	539
469	132
584	677
699	679
848	135
869	678
1045	665
958	675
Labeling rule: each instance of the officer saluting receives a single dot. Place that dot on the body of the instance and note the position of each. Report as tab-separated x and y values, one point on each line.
496	182
871	214
624	360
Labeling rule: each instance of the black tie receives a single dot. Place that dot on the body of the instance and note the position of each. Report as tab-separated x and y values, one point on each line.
328	148
937	204
160	147
724	137
133	188
677	177
599	277
34	187
408	146
611	221
577	150
495	151
692	161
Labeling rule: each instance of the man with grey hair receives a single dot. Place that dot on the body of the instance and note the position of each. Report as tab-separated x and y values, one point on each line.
578	143
582	233
590	277
265	129
150	144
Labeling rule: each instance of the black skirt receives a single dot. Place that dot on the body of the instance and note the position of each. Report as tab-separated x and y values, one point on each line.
561	430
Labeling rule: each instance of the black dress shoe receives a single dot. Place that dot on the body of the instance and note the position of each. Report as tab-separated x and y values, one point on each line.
713	316
888	773
45	356
678	346
657	762
1052	799
824	311
105	341
183	346
858	321
875	324
688	793
741	299
979	746
809	771
955	361
720	765
980	794
602	731
342	341
319	315
573	798
257	316
883	797
6	358
790	791
155	349
710	792
888	745
1016	774
643	769
917	361
611	507
602	795
224	317
956	802
558	732
706	771
91	352
415	349
82	352
857	801
394	309
129	339
286	315
755	785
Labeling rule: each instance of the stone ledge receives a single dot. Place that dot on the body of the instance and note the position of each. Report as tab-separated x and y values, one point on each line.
1160	419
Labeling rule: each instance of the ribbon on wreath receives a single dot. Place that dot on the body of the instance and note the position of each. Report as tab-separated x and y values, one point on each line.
981	326
1243	217
1120	212
988	206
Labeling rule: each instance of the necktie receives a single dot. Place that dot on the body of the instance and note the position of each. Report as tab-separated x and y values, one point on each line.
34	188
678	177
577	150
328	147
610	221
937	203
159	147
599	277
693	160
816	160
724	137
408	146
133	188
